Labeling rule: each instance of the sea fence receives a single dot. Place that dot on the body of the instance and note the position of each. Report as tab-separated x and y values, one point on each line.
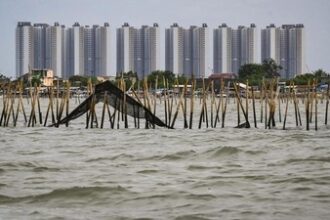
233	104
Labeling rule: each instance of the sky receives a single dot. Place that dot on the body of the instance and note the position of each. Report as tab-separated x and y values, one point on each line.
314	14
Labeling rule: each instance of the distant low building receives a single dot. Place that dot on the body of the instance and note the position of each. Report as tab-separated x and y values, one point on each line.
218	77
222	76
37	77
45	77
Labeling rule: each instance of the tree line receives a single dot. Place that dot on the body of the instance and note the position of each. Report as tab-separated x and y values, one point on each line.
254	73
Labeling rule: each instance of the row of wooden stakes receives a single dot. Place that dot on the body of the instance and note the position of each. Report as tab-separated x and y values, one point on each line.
213	107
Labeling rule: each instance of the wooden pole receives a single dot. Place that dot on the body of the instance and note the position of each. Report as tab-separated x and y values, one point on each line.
247	99
192	102
327	103
224	109
254	108
307	105
262	95
67	102
247	124
315	100
237	104
286	111
105	103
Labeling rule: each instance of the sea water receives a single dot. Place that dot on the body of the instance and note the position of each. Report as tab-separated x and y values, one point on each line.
209	173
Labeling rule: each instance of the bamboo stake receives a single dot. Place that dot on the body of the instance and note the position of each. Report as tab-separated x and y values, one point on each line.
266	108
327	103
315	100
212	102
48	108
4	104
286	112
218	106
11	107
224	109
179	105
247	99
67	99
247	124
307	105
105	99
184	106
254	108
262	95
192	102
33	102
237	106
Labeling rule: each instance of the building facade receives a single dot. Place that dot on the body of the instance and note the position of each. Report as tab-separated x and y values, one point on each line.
174	49
249	45
78	50
138	49
187	51
102	50
39	45
222	49
55	49
286	46
233	48
270	43
201	52
125	49
151	50
24	48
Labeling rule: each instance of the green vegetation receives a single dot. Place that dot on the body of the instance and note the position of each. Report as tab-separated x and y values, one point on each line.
82	80
129	77
4	79
269	69
320	76
254	73
168	76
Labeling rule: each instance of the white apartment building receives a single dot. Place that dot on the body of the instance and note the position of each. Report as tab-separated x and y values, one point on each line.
138	49
76	51
201	52
187	50
89	50
102	50
270	43
97	50
151	50
39	45
125	48
222	49
174	53
291	47
297	63
24	48
55	49
249	45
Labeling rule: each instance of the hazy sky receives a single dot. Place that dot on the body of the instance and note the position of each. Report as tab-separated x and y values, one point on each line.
314	14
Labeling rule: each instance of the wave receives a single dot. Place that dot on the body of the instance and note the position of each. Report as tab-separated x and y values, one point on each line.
65	194
223	151
181	155
147	171
191	217
19	164
23	165
200	167
309	159
46	169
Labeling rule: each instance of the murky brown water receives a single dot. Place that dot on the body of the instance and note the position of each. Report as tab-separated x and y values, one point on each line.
214	173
